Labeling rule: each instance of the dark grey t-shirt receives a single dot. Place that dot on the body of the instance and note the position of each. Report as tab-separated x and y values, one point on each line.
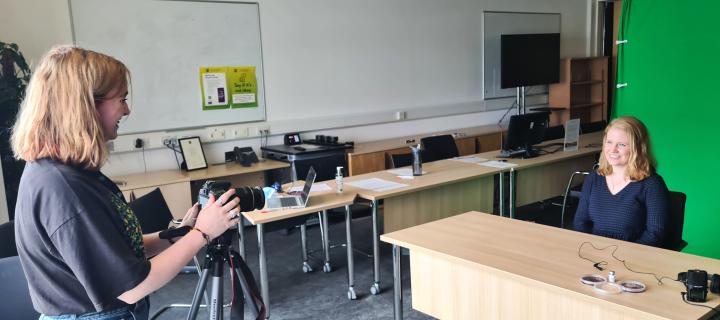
73	244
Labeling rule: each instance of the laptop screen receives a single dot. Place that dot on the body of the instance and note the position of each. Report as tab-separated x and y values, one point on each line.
308	185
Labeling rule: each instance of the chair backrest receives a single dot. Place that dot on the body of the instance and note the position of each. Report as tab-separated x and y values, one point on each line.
7	240
15	295
152	211
676	221
400	160
439	147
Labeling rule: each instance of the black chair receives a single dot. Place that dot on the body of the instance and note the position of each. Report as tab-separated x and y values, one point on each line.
152	211
400	160
15	295
439	148
7	240
676	220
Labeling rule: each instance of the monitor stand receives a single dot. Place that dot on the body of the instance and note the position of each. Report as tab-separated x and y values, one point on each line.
525	153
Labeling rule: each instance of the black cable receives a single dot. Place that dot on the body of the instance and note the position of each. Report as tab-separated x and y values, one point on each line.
599	265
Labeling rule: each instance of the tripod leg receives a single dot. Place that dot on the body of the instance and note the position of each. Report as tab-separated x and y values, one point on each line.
198	292
215	307
241	237
263	268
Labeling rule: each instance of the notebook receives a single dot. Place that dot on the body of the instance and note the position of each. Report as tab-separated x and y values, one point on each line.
295	200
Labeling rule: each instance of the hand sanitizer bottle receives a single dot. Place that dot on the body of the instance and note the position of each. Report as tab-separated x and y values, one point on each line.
339	180
417	161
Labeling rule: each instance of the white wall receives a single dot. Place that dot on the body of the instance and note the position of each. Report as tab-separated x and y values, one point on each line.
291	71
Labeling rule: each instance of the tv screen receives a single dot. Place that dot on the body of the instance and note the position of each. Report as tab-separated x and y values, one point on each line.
529	59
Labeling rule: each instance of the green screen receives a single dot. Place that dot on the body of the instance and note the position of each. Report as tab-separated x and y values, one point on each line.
670	64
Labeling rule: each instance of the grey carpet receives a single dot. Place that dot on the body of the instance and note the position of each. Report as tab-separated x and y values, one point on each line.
315	295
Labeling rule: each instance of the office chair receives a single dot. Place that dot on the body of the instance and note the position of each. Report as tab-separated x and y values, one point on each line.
572	193
7	240
676	220
439	148
15	295
400	160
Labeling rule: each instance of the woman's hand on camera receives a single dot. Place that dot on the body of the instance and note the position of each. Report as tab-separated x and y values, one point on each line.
190	216
219	214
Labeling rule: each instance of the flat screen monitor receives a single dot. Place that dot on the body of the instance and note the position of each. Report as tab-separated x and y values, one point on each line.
524	131
529	59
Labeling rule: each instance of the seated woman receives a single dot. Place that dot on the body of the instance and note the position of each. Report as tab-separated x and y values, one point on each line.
625	199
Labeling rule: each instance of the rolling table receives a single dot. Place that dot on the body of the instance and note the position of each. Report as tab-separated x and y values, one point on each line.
318	202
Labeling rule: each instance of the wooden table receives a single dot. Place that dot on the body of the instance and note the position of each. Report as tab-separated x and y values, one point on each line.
480	266
318	202
546	176
448	187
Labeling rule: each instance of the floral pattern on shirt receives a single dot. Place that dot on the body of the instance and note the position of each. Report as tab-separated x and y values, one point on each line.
133	232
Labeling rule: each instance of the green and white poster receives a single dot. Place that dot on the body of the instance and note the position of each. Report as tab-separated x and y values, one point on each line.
213	85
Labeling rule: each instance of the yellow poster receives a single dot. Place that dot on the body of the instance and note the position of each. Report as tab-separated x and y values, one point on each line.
243	87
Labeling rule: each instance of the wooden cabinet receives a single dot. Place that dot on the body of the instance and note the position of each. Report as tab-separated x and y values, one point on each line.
488	142
466	146
581	92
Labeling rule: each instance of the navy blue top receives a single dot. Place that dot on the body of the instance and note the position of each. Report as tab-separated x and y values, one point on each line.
637	213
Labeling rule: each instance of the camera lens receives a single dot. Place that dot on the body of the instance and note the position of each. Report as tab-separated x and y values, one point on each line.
251	198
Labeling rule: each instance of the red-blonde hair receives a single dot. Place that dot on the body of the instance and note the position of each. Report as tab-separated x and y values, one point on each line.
58	118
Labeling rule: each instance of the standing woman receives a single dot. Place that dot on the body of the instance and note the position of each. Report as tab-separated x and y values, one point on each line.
79	242
625	199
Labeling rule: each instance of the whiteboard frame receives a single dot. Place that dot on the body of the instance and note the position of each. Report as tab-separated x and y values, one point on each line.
150	113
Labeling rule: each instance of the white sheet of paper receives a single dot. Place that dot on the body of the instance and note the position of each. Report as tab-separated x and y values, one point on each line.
403	172
498	164
316	187
376	184
470	159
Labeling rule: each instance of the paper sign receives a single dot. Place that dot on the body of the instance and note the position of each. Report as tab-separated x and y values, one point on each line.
213	83
243	87
572	135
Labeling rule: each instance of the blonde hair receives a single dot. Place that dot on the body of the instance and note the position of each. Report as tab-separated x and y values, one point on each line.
641	162
58	117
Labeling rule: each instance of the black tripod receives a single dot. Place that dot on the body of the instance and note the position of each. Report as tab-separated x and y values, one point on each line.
217	253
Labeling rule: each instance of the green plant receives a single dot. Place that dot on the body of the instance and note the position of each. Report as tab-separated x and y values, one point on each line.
14	77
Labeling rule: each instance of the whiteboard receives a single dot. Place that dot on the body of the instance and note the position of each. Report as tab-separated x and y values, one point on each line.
499	23
164	44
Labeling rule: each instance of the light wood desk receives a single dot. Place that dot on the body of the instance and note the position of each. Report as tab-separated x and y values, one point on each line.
546	176
372	156
480	266
447	188
318	202
175	184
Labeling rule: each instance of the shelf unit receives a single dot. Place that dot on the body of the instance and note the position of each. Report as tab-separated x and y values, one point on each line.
581	92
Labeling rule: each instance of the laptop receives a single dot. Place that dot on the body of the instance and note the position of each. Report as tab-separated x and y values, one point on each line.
295	200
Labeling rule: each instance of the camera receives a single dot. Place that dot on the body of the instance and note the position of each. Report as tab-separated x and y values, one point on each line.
251	198
696	284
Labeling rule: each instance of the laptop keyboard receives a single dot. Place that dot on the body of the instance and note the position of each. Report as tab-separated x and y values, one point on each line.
288	202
